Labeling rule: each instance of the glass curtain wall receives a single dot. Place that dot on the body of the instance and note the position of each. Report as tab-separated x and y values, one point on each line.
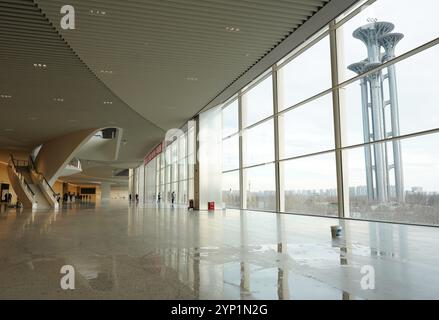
172	171
346	125
176	174
231	195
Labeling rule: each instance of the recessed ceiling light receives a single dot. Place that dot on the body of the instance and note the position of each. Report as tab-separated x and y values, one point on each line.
58	99
98	12
191	78
40	65
5	96
232	29
106	71
108	102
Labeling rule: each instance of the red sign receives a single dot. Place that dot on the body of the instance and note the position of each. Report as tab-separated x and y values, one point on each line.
154	153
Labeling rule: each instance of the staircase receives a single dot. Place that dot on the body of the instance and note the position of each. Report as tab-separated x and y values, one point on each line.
32	188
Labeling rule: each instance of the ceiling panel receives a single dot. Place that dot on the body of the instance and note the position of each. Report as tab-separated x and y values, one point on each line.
157	48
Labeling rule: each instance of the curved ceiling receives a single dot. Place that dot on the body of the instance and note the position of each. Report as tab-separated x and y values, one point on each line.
52	91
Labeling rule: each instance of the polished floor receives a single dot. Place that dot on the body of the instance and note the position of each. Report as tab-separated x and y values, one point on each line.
122	251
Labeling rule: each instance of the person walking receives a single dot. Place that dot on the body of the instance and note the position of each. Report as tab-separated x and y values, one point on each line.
173	198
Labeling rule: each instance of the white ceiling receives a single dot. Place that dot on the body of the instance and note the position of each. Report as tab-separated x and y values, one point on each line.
154	48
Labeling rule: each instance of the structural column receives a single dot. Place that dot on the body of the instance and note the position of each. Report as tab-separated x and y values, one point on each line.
342	189
278	135
197	165
242	187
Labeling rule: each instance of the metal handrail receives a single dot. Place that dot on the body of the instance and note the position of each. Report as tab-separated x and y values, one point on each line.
19	175
43	178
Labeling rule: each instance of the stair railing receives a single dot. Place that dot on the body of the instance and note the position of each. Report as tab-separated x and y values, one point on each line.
13	163
42	179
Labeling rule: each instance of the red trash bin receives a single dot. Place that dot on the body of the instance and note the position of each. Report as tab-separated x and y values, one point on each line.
211	205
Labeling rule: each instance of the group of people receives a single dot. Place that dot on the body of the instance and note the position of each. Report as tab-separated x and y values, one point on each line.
159	197
72	197
136	196
7	197
172	195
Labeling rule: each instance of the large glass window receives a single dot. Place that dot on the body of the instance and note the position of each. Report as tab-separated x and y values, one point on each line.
259	144
183	196
231	153
230	119
415	105
182	140
182	169
174	151
307	129
310	185
377	198
257	102
169	171
231	193
260	187
393	180
306	75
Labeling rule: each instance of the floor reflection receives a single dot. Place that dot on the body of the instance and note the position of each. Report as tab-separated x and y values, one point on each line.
146	252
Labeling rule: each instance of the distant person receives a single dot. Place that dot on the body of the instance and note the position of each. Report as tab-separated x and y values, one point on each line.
137	197
159	197
173	197
18	204
130	197
9	197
